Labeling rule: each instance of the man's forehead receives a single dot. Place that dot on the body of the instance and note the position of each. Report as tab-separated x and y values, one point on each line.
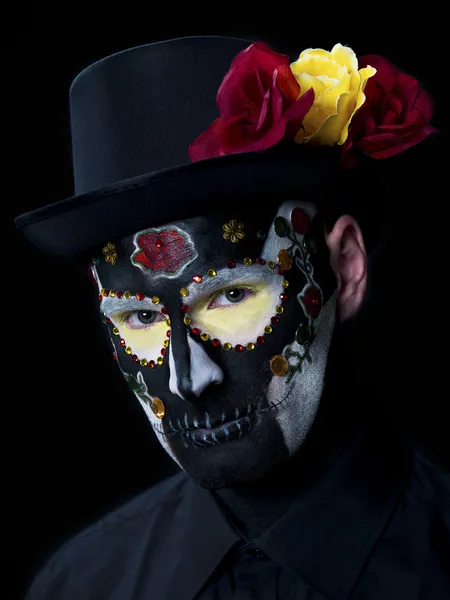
158	260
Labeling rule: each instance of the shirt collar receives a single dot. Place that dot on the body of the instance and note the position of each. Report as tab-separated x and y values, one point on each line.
326	536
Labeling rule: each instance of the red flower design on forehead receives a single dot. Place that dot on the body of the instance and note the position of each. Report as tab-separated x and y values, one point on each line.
167	251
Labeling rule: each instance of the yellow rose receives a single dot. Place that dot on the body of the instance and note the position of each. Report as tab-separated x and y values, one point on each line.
339	92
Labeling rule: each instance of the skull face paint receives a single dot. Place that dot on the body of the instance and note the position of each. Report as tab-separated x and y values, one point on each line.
234	345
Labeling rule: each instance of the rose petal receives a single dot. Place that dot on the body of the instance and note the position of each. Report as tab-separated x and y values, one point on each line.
319	65
345	56
219	139
400	147
335	125
295	114
287	84
307	81
264	108
425	104
387	73
239	82
277	99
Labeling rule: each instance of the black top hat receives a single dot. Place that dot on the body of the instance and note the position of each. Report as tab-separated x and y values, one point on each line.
133	116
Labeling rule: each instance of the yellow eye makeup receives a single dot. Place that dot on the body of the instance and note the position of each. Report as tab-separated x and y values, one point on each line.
237	313
140	323
145	331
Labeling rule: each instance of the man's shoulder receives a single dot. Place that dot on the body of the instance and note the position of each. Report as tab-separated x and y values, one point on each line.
157	499
121	540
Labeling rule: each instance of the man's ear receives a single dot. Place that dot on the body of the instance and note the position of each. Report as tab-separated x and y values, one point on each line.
349	262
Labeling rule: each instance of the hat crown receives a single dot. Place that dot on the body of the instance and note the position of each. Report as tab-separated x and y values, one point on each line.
137	111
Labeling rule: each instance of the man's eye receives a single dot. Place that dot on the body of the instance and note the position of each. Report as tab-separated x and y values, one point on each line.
235	295
231	296
140	319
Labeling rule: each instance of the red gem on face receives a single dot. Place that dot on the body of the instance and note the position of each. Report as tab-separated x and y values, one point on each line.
260	261
122	342
197	278
108	320
196	331
134	357
164	310
260	340
215	342
151	364
163	351
283	297
231	264
106	293
140	296
239	348
119	295
168	333
275	320
184	308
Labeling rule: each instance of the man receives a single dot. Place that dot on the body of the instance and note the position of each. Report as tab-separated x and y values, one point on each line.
229	255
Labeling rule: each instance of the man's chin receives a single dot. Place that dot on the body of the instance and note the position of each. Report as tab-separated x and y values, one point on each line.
247	459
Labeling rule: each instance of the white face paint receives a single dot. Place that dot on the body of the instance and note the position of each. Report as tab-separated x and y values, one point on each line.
204	371
297	413
145	400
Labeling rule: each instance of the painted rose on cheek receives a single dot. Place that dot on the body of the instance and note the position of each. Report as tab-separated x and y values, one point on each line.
166	251
312	301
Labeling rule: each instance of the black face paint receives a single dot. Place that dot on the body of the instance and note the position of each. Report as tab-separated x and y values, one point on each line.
223	405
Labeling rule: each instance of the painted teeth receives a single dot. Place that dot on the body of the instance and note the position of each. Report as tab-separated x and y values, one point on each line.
206	422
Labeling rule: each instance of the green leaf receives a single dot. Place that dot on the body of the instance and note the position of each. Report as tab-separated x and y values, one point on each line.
132	382
281	226
311	245
303	333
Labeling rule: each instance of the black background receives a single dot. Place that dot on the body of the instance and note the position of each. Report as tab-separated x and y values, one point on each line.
76	442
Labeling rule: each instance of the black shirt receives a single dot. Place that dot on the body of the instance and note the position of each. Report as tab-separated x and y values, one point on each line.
373	524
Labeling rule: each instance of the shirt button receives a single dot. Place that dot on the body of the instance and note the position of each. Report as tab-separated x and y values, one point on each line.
257	553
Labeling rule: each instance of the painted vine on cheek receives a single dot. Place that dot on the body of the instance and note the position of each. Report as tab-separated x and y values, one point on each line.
299	252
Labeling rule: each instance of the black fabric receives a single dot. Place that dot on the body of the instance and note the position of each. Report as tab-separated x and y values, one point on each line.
373	524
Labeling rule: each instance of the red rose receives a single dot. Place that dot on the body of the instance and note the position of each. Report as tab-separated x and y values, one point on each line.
165	250
258	103
394	116
300	220
312	301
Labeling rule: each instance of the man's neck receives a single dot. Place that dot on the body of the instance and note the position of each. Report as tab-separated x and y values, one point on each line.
254	506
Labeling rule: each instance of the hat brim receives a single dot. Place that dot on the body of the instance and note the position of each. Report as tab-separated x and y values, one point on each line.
250	181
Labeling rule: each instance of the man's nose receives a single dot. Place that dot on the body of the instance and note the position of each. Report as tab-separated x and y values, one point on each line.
191	369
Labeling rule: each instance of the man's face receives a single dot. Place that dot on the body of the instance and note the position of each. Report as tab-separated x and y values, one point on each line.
222	325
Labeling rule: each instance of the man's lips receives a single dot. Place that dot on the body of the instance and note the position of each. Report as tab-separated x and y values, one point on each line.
208	423
225	432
